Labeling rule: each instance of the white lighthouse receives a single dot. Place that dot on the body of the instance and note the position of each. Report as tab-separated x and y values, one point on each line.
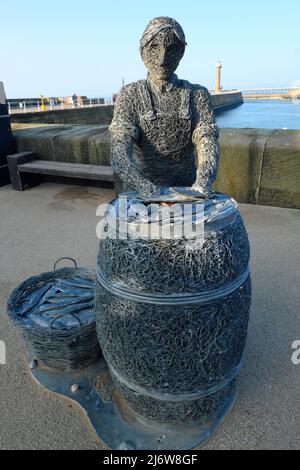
218	77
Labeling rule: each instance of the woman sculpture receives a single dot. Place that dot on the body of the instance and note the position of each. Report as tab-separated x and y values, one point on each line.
163	130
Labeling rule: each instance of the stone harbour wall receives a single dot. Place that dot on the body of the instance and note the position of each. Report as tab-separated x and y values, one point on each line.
259	166
66	143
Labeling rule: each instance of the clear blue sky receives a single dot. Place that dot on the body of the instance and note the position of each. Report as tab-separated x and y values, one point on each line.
59	47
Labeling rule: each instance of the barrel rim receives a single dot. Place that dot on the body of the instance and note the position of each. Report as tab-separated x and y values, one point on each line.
214	216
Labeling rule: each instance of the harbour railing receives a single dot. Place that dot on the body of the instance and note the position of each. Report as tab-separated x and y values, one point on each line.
32	106
222	92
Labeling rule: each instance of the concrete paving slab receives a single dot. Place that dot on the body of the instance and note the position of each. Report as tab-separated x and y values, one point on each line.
52	220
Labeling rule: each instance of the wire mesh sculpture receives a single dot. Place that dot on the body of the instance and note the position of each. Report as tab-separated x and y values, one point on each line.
171	315
160	123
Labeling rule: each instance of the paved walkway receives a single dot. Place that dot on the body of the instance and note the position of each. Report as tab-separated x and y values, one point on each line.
52	220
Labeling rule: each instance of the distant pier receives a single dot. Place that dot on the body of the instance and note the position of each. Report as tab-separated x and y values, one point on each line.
102	114
272	93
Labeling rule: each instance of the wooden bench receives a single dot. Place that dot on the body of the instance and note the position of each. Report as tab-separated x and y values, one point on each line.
26	170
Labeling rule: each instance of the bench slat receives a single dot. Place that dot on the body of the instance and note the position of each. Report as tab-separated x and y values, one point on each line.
72	170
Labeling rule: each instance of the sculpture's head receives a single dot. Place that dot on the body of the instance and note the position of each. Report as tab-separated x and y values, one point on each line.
162	46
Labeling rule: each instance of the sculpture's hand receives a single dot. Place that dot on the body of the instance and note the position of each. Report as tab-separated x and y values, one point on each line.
205	189
149	189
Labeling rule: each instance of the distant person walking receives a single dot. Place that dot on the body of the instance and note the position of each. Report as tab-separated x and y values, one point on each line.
42	99
75	100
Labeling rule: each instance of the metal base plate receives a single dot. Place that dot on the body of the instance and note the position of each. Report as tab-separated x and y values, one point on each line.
114	422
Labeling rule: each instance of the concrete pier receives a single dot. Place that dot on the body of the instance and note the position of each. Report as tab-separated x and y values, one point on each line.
226	100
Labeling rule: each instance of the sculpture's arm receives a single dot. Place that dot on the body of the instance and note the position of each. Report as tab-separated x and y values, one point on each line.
205	139
122	163
124	132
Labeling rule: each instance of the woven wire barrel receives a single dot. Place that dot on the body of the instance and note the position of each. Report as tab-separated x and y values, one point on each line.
172	314
61	341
